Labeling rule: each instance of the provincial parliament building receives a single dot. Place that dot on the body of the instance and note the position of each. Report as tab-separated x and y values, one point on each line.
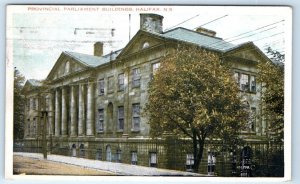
94	103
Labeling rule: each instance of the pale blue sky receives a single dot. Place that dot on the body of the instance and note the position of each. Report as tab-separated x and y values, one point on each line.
39	37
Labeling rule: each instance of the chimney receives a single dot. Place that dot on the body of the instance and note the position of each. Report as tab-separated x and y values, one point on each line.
98	49
151	22
206	31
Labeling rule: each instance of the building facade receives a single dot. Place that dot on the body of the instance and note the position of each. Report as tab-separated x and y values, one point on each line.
94	102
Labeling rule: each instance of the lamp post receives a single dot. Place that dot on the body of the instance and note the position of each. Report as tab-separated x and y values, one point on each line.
44	116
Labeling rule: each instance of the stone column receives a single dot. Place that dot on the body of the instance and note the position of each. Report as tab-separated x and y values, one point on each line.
51	114
64	115
90	121
57	112
73	111
81	109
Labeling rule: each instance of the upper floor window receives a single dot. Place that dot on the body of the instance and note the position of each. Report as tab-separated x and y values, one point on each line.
121	81
100	122
237	78
136	78
34	105
252	83
28	104
101	87
110	84
155	67
244	82
120	118
136	116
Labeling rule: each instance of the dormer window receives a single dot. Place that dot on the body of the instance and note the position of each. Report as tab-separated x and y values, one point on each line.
145	45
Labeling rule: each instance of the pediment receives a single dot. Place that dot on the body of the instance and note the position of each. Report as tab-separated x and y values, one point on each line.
141	41
248	52
248	55
65	65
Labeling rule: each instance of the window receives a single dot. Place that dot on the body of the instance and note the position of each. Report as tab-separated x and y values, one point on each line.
136	79
110	84
134	158
120	118
34	127
33	104
28	104
155	67
244	82
189	162
153	160
252	119
145	45
136	117
99	154
252	83
118	155
81	151
74	150
237	78
47	103
121	82
28	127
101	87
108	153
100	122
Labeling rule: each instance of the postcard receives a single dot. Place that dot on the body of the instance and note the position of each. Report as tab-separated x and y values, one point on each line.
192	92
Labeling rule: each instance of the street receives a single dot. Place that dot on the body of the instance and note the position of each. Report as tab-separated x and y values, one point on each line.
31	166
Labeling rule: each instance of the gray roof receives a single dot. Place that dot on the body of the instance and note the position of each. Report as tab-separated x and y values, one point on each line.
197	38
91	60
34	82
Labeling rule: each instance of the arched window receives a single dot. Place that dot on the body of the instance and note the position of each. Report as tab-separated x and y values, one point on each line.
81	151
145	45
108	153
73	150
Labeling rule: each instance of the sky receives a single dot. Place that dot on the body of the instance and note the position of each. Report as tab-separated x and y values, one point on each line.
37	35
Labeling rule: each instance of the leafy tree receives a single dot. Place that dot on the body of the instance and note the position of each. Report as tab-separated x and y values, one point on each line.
193	95
19	103
271	76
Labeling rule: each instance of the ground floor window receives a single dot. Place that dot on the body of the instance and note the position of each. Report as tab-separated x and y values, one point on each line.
81	151
134	158
99	154
118	155
108	153
189	162
153	159
211	163
73	150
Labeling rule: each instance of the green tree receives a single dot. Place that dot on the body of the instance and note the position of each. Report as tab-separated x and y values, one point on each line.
193	95
271	76
19	103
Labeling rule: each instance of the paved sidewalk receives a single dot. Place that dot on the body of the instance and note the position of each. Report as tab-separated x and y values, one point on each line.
117	168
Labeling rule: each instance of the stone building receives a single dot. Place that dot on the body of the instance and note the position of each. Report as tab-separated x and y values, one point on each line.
94	102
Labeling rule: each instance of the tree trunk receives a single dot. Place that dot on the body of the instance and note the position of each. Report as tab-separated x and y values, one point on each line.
198	146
